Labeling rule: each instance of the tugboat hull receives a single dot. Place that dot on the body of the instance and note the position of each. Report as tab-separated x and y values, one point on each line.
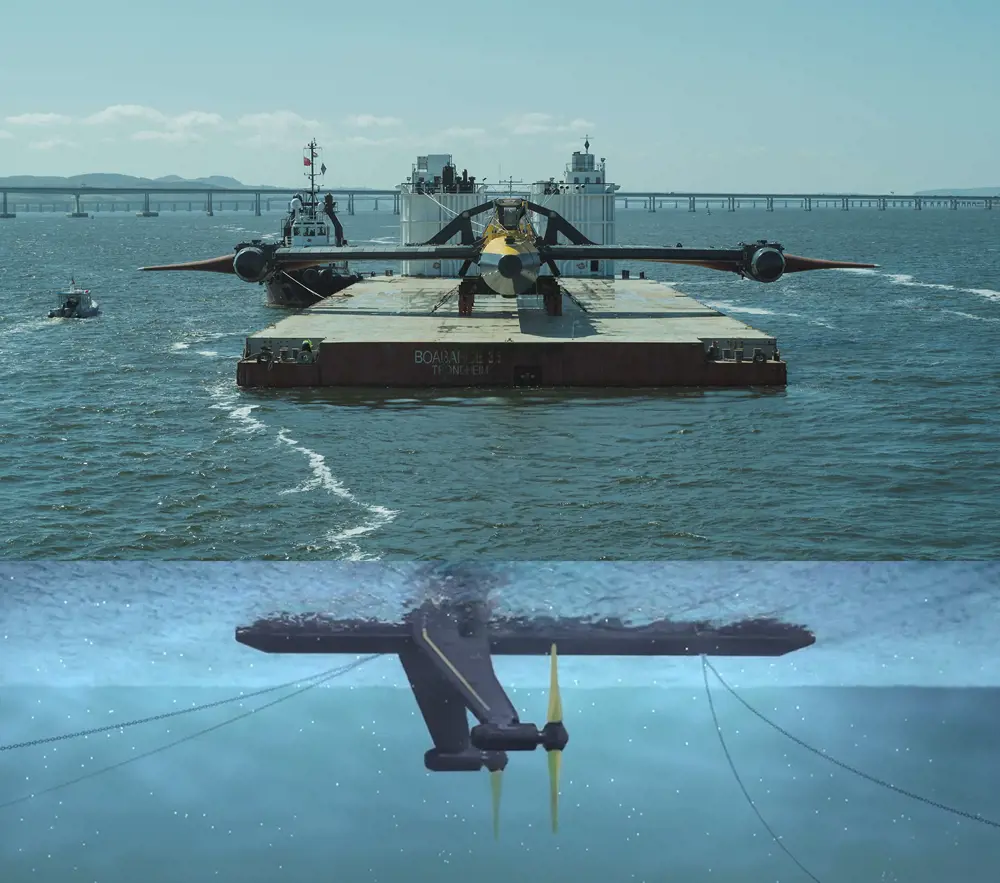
303	288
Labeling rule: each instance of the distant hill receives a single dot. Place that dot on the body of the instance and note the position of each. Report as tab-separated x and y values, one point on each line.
107	179
955	191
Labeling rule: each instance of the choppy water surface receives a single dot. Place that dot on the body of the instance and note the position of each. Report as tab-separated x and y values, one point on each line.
126	436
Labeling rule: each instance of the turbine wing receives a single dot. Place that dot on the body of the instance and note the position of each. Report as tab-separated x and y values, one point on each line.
310	256
221	264
731	259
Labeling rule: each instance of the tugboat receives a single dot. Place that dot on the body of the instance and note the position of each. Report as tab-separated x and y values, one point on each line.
310	222
76	303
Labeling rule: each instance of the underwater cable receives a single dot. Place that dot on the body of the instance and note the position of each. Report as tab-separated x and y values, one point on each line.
167	714
739	780
315	682
974	817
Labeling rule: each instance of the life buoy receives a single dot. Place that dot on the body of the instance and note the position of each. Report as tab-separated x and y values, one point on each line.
305	357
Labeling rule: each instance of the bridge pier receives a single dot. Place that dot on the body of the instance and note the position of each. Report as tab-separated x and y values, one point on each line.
732	203
256	204
208	205
770	203
77	211
3	207
146	211
691	204
652	203
918	203
395	203
350	204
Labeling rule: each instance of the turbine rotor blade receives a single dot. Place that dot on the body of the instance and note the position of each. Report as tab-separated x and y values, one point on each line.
555	757
221	264
496	787
555	700
555	765
796	264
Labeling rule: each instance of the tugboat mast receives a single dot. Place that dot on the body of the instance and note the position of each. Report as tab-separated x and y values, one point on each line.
311	146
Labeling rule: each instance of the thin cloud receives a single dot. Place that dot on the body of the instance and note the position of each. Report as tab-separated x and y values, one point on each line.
52	144
117	113
363	141
175	137
4	134
459	132
38	119
197	118
280	120
369	121
175	129
545	123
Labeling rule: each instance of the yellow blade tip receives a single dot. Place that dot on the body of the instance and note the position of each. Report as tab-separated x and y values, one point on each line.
496	787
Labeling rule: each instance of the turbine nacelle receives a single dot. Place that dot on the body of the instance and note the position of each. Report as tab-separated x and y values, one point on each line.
510	266
520	737
766	262
251	264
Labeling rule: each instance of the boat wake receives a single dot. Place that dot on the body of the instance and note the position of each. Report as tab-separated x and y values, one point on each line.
322	478
727	307
343	540
909	281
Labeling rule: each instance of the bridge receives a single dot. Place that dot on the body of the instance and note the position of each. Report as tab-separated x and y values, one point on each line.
151	200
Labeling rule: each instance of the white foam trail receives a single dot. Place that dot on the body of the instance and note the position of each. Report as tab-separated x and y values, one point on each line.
227	400
323	478
970	316
908	280
727	307
28	325
209	353
177	347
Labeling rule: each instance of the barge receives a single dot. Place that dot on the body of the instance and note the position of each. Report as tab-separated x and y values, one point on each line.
392	331
500	291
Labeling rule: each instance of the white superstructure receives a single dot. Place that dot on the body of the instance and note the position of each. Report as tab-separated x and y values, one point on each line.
437	192
586	199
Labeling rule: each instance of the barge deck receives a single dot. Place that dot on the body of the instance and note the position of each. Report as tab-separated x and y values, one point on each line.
406	332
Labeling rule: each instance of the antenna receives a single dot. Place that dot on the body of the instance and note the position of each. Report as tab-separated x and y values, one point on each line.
586	143
510	182
311	163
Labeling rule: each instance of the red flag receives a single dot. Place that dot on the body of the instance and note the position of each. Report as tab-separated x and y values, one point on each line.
306	161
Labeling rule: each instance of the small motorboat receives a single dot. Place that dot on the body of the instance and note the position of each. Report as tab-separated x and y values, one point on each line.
75	303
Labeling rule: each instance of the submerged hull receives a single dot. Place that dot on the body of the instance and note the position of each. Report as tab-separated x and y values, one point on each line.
303	288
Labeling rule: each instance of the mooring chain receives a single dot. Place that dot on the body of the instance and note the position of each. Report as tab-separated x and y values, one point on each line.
164	716
974	817
315	681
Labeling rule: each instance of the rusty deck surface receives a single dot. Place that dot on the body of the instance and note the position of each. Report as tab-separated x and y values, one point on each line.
407	309
402	331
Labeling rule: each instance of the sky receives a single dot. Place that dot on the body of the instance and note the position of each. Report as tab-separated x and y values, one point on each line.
845	96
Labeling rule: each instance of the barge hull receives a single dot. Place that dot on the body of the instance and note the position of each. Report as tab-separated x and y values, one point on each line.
406	332
423	365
